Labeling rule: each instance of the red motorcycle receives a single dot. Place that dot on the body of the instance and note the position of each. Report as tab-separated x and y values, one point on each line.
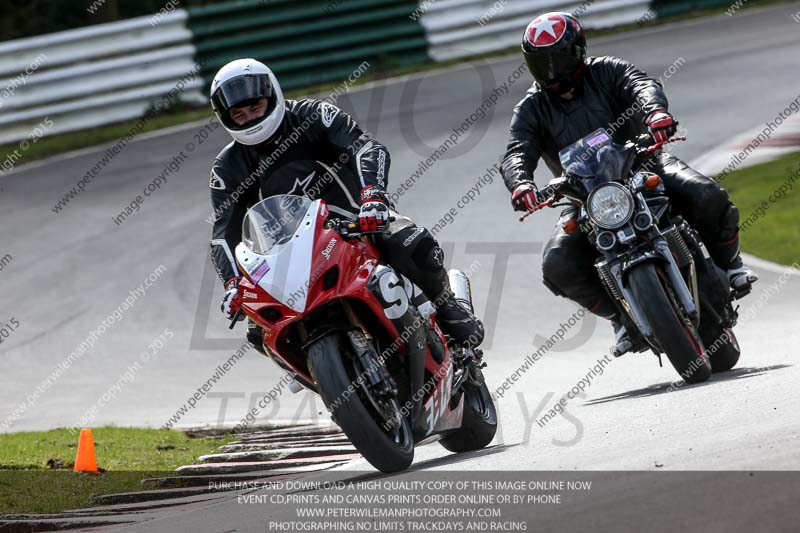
349	328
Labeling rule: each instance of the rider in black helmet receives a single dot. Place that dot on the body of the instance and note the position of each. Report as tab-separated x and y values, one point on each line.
554	47
573	96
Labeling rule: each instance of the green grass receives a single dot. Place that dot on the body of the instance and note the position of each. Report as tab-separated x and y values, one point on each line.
66	142
49	146
29	485
770	229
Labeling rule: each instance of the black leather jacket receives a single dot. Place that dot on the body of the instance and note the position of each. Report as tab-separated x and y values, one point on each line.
614	95
320	153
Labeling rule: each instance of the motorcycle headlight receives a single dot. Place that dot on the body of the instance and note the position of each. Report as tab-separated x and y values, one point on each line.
610	206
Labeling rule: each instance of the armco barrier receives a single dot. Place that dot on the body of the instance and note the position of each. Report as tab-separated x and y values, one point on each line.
668	8
96	75
106	73
461	28
309	42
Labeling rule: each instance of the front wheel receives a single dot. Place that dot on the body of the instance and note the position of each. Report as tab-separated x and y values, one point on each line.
676	336
340	382
479	423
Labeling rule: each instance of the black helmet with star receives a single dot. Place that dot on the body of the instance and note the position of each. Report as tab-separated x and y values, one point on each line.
554	46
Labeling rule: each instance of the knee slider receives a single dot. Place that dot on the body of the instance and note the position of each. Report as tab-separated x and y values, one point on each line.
550	285
711	208
729	223
418	245
730	218
428	256
557	266
560	270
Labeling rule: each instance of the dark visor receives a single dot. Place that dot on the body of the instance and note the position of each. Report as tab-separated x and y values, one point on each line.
242	90
549	68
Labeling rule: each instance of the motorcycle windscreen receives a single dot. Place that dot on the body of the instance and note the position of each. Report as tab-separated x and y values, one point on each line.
277	245
596	158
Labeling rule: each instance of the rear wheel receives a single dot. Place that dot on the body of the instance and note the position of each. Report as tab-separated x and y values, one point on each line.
479	423
722	349
675	334
374	426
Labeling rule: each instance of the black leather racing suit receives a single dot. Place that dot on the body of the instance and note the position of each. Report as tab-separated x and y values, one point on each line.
616	96
320	152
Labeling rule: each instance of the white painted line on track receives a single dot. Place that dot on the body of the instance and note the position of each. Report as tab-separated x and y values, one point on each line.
769	266
102	147
780	142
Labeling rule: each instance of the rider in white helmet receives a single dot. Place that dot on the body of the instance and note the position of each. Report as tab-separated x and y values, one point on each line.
243	82
312	148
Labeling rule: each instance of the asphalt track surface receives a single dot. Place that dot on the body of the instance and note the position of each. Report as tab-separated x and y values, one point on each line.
70	270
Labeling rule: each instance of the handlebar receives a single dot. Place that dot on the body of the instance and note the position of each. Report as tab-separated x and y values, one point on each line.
547	203
348	230
651	149
642	145
351	230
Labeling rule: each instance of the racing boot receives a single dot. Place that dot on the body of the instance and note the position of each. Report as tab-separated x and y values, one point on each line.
741	279
726	254
605	308
625	342
456	320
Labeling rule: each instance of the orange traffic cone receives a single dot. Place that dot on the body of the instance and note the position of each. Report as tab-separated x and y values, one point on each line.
85	459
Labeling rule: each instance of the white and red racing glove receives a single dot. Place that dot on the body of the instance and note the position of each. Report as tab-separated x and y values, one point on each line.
661	125
232	301
374	212
526	197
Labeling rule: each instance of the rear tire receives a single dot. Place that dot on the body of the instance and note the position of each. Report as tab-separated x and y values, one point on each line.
479	423
723	349
677	339
350	411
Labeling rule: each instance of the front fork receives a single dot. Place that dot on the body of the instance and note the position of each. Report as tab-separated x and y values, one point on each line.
410	325
661	254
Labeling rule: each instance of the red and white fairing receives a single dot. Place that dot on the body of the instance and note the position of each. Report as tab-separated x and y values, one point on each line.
285	272
293	264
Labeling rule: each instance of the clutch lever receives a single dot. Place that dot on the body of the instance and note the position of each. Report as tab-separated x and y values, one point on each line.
657	146
351	230
550	202
547	203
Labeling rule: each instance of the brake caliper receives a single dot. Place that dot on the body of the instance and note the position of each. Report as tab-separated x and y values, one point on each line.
379	379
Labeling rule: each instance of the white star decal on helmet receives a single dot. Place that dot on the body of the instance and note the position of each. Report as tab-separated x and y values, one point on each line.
547	29
545	25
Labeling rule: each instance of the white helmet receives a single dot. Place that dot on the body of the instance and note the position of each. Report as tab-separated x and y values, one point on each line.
245	80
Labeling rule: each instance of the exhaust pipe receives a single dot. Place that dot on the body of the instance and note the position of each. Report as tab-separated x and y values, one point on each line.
459	284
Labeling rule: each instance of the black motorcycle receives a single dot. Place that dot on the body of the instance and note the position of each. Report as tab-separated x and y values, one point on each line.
672	297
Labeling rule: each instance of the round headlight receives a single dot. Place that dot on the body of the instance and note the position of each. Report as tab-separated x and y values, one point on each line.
610	206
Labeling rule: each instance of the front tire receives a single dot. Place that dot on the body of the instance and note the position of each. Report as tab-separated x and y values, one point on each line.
479	423
677	339
345	398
